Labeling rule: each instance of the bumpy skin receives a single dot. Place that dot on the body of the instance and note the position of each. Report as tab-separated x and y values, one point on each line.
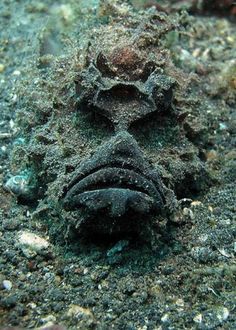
124	92
124	76
117	182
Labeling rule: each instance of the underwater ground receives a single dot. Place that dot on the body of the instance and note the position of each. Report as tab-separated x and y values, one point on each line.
182	278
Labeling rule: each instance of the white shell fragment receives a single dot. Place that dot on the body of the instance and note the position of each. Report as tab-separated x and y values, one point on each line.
7	285
31	244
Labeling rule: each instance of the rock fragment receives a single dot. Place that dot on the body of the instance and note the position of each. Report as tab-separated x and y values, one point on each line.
7	285
31	244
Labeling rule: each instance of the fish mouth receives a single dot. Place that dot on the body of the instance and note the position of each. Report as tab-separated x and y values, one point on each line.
115	190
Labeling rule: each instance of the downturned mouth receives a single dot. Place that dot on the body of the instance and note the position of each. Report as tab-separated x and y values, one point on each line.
111	187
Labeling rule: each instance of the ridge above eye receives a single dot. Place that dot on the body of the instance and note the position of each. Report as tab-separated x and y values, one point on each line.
123	101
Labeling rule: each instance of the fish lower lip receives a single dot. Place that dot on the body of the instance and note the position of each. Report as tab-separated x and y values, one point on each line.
111	178
116	201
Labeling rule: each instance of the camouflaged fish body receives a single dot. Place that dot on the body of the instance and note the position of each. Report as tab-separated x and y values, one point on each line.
117	182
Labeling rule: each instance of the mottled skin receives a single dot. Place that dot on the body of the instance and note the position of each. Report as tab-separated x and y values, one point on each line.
117	182
124	77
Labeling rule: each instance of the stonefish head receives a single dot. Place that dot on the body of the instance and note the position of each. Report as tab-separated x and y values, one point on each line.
116	189
123	87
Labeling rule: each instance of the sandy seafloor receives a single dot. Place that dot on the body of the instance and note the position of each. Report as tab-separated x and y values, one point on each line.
189	283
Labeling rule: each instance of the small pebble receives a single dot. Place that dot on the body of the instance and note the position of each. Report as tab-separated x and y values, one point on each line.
78	312
196	203
165	318
179	302
198	318
4	148
31	244
210	208
2	67
16	73
7	285
211	155
223	314
20	185
49	318
222	126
